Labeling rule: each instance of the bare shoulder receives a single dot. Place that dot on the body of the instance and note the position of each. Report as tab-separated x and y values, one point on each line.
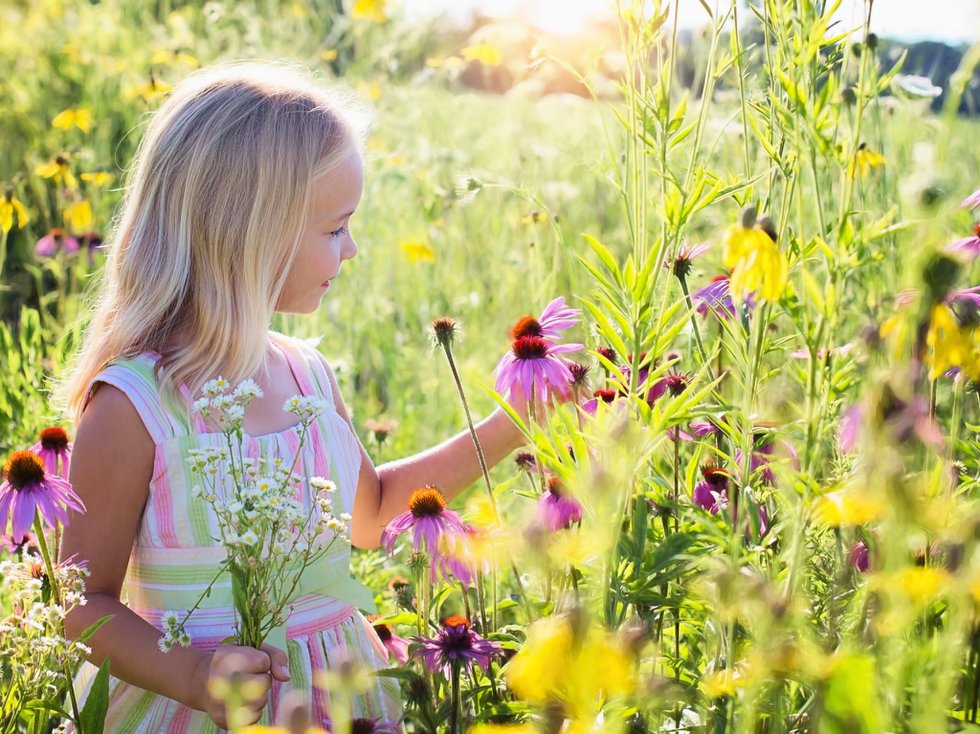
112	427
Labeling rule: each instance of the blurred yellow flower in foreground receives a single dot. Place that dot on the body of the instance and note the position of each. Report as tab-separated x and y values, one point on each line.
922	583
578	668
486	53
418	251
150	91
259	729
503	729
847	507
97	178
375	11
78	216
328	54
725	682
757	264
80	117
9	206
57	169
864	160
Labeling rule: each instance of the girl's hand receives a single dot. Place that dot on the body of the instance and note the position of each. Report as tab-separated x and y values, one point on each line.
250	671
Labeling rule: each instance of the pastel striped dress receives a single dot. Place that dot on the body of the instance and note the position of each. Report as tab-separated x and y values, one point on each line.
175	555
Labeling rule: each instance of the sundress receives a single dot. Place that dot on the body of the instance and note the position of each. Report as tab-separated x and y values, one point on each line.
175	556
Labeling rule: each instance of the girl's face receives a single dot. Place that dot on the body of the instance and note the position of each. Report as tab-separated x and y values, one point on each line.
326	242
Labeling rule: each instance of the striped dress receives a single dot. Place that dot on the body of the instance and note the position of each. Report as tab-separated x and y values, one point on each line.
175	556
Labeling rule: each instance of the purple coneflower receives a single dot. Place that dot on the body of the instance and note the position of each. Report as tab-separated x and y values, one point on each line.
16	545
714	298
427	518
532	365
850	429
968	245
673	382
606	396
455	643
680	263
972	201
27	490
557	509
553	322
54	447
48	245
397	646
711	493
373	726
860	557
763	456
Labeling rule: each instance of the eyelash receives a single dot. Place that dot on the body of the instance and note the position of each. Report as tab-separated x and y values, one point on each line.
338	232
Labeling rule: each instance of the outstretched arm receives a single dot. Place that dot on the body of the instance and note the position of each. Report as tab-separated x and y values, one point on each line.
383	492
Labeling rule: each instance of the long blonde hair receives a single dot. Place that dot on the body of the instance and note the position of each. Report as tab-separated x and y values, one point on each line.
213	212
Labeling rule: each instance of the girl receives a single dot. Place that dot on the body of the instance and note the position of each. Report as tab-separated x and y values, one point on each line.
239	205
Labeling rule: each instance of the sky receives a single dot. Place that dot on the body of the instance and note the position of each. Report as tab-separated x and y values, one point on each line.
953	21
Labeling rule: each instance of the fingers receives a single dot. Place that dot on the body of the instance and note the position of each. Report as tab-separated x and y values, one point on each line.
279	662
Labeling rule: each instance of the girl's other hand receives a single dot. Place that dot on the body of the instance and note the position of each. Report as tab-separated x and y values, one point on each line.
251	671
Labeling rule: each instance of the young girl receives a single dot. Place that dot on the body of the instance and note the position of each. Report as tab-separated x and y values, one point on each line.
239	205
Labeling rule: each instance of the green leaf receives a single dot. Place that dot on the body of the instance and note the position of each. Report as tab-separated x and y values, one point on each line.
92	715
94	627
606	257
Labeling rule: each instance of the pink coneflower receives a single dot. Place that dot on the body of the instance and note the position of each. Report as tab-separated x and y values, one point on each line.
553	322
606	396
711	493
16	545
27	490
763	455
969	246
680	263
456	644
372	726
397	646
48	245
972	201
53	447
532	364
714	298
823	352
850	429
557	509
674	383
427	518
526	462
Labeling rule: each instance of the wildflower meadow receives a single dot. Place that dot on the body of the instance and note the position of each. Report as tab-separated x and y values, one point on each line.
724	281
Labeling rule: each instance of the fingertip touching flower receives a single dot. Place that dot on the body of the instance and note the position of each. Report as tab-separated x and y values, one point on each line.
27	490
456	644
532	365
758	265
397	646
444	330
54	448
428	519
557	509
12	212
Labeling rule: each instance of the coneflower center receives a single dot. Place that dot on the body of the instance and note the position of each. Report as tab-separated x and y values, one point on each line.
384	632
606	396
456	621
362	726
427	502
976	230
714	475
54	438
23	468
555	486
530	347
526	326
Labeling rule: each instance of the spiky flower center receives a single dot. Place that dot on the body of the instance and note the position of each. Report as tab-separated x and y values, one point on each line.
714	475
606	396
555	486
54	438
530	347
444	329
676	384
23	468
526	326
362	726
976	231
456	621
427	502
579	372
384	632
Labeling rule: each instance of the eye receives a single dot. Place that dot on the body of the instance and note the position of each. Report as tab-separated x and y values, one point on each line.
338	232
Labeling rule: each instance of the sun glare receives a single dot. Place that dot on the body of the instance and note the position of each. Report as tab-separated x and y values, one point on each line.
565	17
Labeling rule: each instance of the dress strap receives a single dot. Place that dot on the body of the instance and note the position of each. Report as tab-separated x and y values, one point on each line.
308	368
137	380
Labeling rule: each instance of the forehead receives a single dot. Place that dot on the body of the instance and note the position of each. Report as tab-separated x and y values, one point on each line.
337	192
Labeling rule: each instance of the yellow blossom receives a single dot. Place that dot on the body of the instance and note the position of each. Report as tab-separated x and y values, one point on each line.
57	169
847	507
375	11
757	264
150	91
9	206
328	54
503	729
371	90
950	345
486	53
418	251
97	178
78	216
724	682
576	668
260	729
864	160
922	583
166	57
80	117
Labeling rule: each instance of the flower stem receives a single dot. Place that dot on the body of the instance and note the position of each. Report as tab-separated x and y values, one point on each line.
454	710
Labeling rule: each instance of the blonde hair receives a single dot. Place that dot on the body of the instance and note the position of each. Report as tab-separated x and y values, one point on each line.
217	201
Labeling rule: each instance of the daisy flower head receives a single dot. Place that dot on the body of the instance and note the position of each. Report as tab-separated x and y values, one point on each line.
758	266
428	518
557	509
27	490
456	644
54	448
532	365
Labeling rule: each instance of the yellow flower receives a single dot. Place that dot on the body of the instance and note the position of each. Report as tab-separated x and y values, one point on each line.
950	345
9	206
724	682
418	252
375	11
97	178
328	55
486	53
371	90
847	507
922	583
78	216
166	57
578	669
80	117
57	169
259	729
150	91
864	160
503	729
757	264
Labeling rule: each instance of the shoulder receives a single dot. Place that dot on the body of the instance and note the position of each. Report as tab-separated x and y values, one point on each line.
111	433
314	358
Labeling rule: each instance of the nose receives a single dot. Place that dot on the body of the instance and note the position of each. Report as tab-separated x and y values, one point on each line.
349	250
